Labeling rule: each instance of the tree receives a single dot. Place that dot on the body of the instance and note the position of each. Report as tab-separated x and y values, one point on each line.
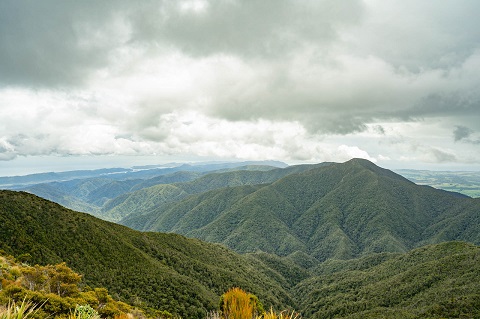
63	280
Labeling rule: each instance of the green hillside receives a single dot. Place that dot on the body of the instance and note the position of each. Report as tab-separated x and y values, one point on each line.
164	271
143	201
194	212
91	194
88	191
337	211
440	281
154	198
186	276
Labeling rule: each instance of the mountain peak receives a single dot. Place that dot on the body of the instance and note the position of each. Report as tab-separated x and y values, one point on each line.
366	164
362	162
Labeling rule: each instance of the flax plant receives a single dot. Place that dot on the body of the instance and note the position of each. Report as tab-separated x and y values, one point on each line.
26	309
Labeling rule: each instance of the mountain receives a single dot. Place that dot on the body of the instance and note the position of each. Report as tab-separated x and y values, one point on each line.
155	197
163	271
136	172
17	181
88	191
186	276
333	211
438	281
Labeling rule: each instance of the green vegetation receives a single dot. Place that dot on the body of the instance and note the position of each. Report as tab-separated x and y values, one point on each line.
99	192
162	271
330	241
52	291
439	281
85	312
26	309
338	211
156	198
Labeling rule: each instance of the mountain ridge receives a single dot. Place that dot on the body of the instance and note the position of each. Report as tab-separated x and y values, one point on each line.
335	211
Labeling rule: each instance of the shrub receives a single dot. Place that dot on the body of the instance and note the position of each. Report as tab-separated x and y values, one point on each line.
84	312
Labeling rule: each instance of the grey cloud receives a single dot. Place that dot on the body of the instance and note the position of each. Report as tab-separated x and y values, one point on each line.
421	35
439	156
330	65
458	107
51	43
464	134
379	129
461	132
441	104
250	28
6	153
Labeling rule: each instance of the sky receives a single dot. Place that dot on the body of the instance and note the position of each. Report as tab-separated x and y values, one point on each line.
86	84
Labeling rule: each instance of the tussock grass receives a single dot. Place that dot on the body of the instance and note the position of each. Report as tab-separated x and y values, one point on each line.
282	315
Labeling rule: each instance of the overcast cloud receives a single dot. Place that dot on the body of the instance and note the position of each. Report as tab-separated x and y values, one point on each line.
393	82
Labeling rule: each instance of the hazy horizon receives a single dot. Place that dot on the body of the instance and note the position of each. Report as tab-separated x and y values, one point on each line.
64	164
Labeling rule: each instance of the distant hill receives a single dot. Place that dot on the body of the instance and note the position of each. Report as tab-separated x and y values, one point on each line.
164	271
88	191
17	181
136	172
334	211
155	197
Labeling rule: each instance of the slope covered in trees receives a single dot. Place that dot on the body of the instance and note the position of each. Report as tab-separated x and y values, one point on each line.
187	276
164	271
439	281
336	211
156	197
88	191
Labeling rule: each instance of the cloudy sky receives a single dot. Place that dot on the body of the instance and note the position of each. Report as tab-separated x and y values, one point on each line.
112	83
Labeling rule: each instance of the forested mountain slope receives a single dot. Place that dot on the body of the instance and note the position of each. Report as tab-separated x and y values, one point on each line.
88	191
155	197
439	281
186	276
336	211
165	271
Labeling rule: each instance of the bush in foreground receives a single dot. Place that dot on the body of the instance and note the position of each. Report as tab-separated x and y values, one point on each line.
238	304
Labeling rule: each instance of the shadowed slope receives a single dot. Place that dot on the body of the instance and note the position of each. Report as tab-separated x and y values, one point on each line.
166	271
439	281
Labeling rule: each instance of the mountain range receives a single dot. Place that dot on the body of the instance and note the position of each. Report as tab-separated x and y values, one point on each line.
332	211
347	240
89	191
